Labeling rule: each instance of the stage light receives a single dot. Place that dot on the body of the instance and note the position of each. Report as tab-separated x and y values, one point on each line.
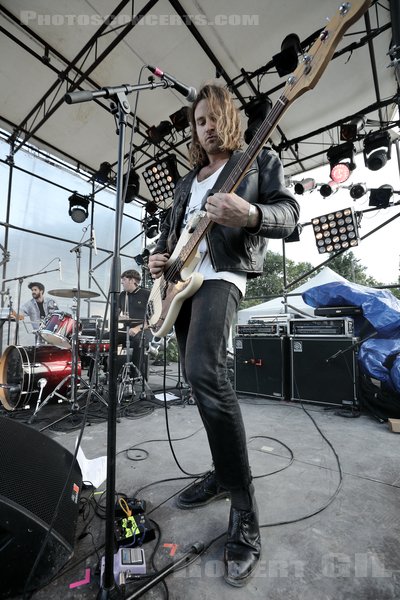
288	181
327	189
78	207
357	190
133	187
103	175
141	258
287	59
335	231
151	225
305	185
161	178
180	118
256	112
341	161
349	131
377	150
380	196
157	133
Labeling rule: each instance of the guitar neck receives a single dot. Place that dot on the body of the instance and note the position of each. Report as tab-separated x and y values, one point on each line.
303	79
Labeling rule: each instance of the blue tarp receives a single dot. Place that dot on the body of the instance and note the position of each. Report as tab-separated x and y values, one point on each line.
380	307
379	356
379	359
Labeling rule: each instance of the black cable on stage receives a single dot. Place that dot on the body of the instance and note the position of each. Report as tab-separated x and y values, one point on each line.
167	423
291	456
186	563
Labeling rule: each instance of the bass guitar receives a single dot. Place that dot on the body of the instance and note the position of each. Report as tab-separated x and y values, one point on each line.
179	280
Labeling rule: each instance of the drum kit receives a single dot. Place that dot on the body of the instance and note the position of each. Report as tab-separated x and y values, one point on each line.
52	368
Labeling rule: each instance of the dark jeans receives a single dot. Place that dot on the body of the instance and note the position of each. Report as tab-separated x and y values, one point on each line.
202	331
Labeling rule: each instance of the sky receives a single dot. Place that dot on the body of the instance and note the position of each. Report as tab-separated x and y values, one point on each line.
380	252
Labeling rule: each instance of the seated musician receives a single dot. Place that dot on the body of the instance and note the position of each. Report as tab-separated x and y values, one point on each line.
39	307
132	305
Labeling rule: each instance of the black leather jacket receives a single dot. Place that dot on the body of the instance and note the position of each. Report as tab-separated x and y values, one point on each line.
237	248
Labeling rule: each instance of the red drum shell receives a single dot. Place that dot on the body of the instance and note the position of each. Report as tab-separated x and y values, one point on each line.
87	346
58	329
22	367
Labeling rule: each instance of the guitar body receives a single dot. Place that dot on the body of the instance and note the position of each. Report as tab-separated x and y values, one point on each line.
171	289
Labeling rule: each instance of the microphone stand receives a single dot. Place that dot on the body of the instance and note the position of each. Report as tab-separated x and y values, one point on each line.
120	107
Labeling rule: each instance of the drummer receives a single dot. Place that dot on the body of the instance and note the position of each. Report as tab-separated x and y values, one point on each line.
132	305
39	307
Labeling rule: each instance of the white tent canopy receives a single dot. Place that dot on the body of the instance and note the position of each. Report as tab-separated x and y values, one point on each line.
295	304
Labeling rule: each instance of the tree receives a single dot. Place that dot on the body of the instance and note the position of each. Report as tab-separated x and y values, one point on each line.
271	283
348	266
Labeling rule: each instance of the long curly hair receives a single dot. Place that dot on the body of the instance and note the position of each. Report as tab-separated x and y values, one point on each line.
229	129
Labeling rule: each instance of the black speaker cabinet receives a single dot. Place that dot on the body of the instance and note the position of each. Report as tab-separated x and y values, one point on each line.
323	370
261	365
36	480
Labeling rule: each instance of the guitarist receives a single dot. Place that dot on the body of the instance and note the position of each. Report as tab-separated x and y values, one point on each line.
234	249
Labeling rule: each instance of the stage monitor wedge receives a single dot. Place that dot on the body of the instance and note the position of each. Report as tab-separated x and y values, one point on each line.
38	480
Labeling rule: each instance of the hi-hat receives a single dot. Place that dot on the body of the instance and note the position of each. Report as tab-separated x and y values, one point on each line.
73	293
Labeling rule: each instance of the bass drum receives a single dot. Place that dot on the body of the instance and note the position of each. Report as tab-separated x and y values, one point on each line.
21	368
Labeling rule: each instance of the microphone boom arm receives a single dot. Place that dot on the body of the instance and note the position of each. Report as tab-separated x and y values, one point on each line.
108	92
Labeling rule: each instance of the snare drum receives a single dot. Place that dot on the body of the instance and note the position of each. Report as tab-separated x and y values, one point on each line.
58	329
21	369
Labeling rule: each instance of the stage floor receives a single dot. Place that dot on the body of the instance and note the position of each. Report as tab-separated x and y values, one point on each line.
327	488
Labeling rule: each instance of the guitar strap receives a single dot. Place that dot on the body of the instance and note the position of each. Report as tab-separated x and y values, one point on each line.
223	176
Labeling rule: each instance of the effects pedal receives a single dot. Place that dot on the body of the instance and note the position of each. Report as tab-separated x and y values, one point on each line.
129	561
135	505
133	531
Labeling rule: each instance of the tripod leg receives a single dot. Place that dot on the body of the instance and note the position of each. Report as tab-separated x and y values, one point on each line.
92	392
39	405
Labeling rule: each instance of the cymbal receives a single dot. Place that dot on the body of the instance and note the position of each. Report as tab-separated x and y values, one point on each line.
73	293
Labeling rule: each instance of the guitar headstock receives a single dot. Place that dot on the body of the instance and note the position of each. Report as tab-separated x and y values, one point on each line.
314	62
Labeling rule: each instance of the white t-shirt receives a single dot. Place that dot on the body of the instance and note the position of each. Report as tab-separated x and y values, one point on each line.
198	192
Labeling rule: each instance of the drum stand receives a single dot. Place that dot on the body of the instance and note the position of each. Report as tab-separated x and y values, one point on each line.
125	378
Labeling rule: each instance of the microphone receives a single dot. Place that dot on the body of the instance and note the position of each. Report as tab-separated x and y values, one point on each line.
59	268
187	91
94	241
